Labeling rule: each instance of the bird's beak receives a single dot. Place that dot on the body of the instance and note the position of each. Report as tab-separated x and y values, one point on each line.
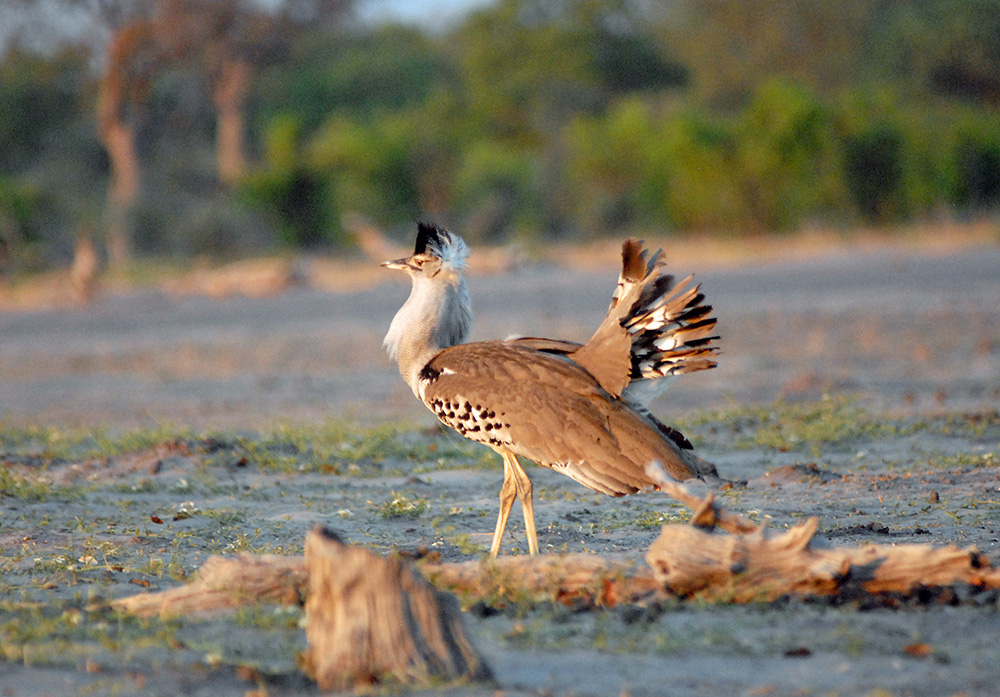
398	264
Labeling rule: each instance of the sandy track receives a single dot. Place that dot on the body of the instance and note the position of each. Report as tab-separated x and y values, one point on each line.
902	329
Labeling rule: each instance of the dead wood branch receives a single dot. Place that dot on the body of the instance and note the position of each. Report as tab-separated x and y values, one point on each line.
578	579
688	560
373	618
707	513
226	583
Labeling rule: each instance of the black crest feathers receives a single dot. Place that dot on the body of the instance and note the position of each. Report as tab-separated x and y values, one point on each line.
427	233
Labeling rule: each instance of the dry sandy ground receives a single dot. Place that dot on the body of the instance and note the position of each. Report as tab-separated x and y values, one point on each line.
913	337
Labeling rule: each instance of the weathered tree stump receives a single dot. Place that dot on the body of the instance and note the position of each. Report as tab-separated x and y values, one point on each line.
691	561
374	619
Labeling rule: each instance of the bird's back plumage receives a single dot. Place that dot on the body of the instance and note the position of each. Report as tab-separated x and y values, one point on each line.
549	410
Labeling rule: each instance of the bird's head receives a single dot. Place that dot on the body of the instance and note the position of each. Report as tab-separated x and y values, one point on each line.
439	254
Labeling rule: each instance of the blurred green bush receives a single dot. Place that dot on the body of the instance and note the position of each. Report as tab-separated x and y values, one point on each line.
570	118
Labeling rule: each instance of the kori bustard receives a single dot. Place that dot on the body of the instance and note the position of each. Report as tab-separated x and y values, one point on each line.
577	409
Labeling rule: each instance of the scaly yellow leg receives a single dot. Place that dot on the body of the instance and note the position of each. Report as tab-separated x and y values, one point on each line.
522	486
507	493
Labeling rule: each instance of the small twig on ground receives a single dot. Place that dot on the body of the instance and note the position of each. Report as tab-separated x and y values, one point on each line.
707	513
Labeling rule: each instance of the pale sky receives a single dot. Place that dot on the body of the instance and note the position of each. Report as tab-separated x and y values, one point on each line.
52	22
427	13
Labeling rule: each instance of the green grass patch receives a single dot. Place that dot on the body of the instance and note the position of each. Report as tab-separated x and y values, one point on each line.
334	448
980	425
654	520
833	422
340	447
402	505
63	632
49	444
23	487
960	461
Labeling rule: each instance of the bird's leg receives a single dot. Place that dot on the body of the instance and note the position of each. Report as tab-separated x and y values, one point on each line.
523	488
507	493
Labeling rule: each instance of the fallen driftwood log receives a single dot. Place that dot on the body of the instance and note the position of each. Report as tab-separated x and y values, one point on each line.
692	561
225	583
581	580
752	565
370	619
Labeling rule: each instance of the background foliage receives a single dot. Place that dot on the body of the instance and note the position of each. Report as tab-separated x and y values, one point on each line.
526	119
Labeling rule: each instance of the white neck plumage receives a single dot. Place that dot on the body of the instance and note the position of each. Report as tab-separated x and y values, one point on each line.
438	314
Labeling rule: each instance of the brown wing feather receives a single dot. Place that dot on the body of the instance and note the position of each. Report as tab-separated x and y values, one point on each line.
548	410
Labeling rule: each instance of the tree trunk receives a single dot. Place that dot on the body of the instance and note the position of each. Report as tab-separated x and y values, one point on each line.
83	272
123	193
231	88
118	137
